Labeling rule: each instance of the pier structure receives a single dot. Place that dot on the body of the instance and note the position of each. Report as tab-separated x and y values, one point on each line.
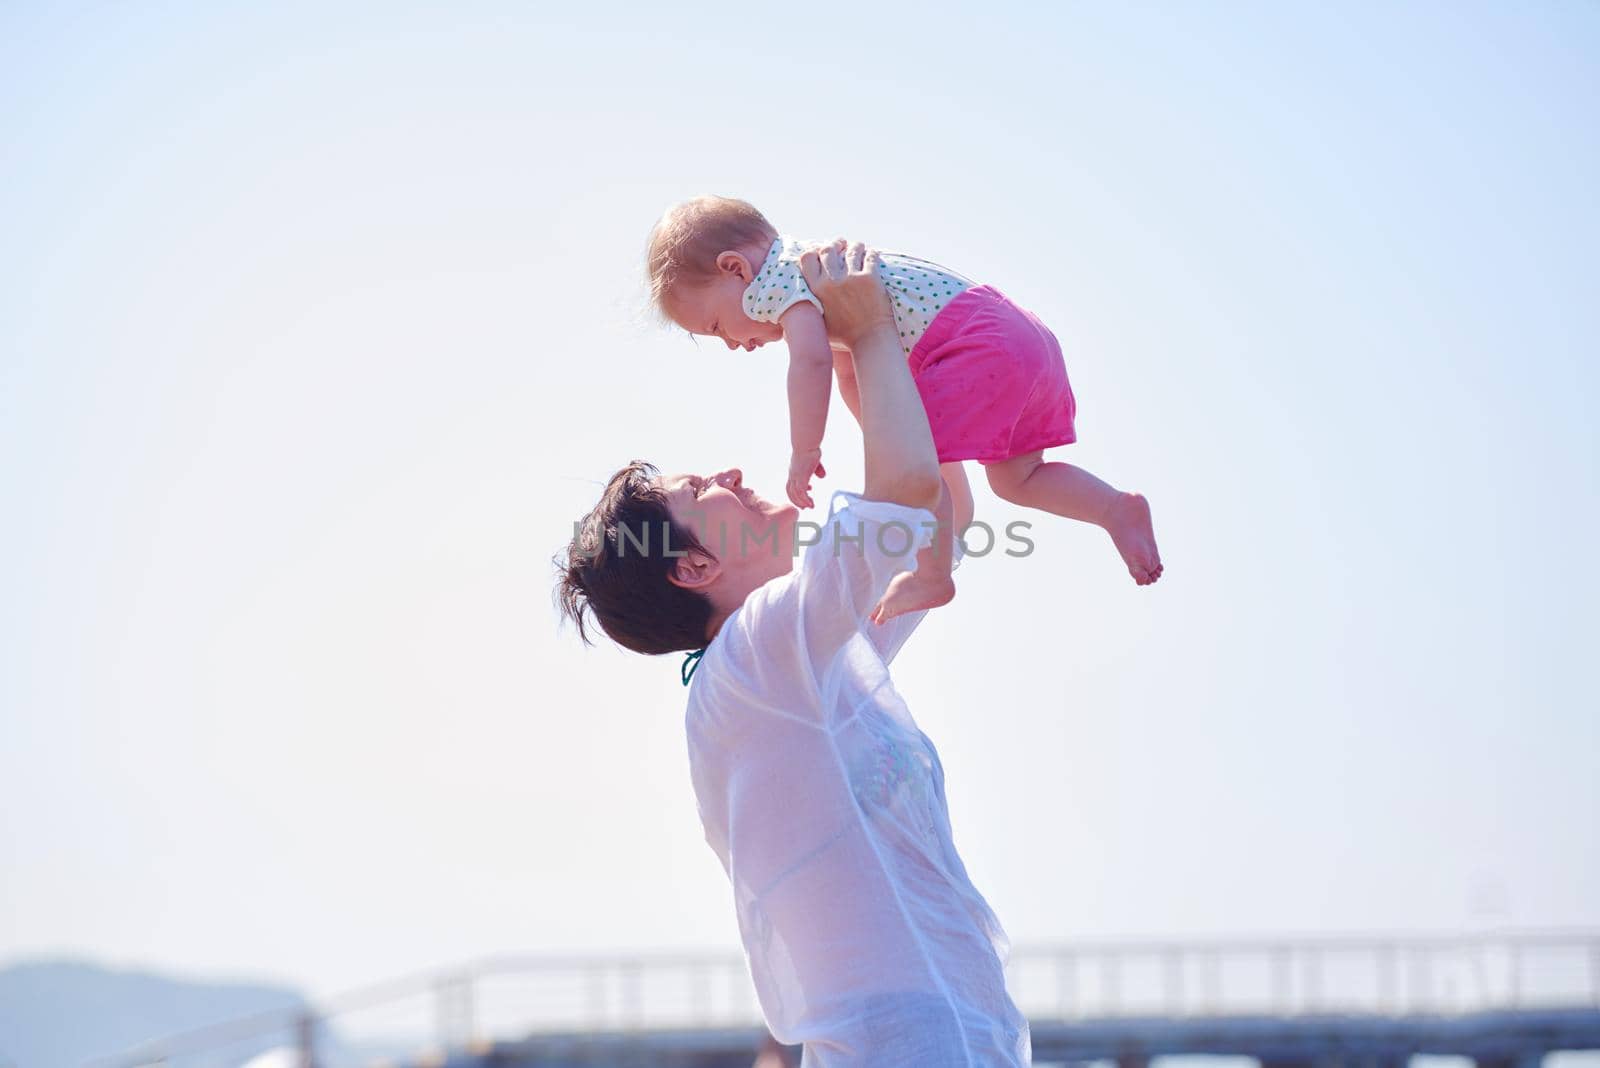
1504	1000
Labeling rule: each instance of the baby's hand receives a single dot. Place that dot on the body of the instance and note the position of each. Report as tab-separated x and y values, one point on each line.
802	465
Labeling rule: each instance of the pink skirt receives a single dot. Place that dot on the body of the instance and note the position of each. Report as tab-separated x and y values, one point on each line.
993	380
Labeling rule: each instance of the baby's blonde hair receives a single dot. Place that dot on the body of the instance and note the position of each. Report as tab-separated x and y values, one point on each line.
685	244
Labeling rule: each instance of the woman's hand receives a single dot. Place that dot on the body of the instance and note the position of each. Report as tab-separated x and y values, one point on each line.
855	303
802	465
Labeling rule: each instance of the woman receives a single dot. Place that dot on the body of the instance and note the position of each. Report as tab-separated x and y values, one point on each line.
825	804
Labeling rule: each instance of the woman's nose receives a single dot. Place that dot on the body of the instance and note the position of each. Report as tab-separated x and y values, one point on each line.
732	344
732	478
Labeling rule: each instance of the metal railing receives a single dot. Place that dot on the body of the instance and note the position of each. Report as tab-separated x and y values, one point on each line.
501	998
1311	975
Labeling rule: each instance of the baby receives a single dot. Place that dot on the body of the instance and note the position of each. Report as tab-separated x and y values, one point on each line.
990	375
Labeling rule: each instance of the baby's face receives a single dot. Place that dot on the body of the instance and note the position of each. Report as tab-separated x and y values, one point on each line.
716	309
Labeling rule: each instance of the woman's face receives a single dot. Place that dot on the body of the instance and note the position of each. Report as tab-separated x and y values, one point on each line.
751	537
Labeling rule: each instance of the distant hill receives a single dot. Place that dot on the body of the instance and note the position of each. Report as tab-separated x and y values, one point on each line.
60	1014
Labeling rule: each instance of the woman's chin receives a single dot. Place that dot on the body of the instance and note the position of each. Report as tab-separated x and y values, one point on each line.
785	518
776	512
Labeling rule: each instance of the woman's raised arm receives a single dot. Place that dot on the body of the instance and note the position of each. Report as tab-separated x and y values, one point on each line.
901	464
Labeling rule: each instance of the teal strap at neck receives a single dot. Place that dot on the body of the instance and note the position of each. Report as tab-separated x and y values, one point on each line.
691	661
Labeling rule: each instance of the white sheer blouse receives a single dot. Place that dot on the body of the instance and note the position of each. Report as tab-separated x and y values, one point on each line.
866	940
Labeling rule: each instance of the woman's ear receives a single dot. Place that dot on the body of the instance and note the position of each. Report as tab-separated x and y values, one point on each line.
734	263
695	570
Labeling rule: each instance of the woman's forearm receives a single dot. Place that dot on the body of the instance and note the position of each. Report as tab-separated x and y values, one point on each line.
901	465
844	368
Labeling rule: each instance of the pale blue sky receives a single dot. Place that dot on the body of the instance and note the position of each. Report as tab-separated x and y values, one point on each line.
319	327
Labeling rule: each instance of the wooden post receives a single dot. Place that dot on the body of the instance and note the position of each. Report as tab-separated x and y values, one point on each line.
1066	985
306	1039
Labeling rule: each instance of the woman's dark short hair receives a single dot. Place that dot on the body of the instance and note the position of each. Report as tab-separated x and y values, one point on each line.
617	566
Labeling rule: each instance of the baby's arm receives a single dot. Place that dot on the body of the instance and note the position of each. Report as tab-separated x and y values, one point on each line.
810	383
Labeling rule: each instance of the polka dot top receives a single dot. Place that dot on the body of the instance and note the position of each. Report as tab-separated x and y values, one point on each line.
918	289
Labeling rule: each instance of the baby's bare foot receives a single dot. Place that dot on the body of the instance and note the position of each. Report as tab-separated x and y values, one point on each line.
1128	523
912	591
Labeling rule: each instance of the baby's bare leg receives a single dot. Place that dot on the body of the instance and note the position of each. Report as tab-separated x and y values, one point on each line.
955	481
1073	492
930	585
